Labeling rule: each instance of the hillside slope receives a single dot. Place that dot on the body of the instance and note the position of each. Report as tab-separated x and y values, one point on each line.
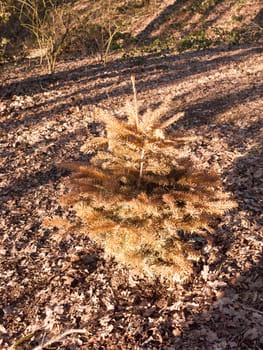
131	27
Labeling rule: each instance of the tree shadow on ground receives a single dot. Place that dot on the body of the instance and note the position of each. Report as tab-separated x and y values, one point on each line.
205	110
234	320
181	15
121	68
247	171
172	69
227	314
53	148
169	70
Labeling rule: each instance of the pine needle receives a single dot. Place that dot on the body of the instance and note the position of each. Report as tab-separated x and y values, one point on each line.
170	121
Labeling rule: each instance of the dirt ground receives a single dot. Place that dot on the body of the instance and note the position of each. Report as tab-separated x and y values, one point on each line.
57	291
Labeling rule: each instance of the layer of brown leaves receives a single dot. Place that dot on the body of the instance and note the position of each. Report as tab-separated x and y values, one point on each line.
51	283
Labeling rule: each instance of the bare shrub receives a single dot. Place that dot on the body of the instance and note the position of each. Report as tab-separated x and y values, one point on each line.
50	23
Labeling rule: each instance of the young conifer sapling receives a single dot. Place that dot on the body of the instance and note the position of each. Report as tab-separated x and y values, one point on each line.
141	198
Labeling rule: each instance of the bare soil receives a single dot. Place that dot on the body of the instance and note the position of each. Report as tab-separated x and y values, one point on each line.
53	283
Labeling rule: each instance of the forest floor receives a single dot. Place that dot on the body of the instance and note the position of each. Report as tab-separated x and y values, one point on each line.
58	290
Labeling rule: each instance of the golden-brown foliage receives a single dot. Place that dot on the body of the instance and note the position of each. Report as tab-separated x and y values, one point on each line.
141	198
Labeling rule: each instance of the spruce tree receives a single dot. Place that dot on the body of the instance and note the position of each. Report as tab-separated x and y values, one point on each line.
141	198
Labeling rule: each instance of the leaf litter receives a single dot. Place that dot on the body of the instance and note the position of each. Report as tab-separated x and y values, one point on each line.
57	290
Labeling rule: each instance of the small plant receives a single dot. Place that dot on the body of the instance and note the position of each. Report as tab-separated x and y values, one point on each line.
100	29
195	41
203	6
50	24
105	40
246	34
141	198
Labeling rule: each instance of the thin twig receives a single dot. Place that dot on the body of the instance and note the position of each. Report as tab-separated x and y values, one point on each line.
141	168
137	125
135	100
248	308
59	337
